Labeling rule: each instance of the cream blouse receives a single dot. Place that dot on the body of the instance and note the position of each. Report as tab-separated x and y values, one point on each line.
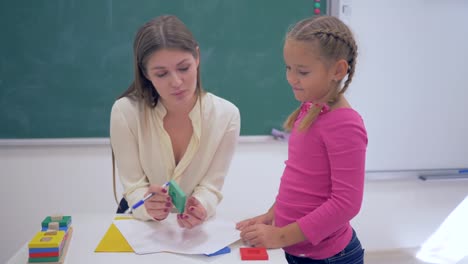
144	155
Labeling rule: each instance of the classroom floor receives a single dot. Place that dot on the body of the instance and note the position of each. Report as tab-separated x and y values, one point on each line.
398	256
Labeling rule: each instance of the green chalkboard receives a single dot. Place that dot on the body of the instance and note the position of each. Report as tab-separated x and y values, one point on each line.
64	62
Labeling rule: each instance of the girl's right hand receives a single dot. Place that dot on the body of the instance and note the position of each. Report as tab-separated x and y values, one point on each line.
159	205
266	218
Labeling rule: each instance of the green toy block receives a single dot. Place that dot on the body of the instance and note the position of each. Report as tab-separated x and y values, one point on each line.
66	221
177	195
48	259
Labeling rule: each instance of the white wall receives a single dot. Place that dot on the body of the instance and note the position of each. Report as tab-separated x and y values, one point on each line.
43	180
410	83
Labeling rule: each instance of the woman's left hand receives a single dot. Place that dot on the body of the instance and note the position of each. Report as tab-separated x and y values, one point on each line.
194	215
261	235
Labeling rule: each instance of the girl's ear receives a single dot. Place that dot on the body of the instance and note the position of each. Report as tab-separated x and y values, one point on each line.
340	70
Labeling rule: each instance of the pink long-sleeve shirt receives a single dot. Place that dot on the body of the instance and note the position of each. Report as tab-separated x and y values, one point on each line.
322	185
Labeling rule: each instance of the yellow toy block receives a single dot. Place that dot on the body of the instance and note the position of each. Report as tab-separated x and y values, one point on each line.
47	239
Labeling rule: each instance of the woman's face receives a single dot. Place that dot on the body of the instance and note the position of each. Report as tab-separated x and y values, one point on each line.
173	73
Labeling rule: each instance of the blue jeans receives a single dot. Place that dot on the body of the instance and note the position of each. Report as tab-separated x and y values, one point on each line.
352	254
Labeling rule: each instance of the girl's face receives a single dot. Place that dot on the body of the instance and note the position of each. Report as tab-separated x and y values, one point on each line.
306	72
174	75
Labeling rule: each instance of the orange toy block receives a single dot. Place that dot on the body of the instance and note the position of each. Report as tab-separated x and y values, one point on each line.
253	254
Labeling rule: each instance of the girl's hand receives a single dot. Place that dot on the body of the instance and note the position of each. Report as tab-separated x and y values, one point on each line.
194	215
262	235
159	205
266	218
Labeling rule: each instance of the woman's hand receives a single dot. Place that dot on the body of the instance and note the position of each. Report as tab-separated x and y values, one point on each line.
159	205
194	215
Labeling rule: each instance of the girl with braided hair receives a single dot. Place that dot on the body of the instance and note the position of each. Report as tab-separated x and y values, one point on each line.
322	185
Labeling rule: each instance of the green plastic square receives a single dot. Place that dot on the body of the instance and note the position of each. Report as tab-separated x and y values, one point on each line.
66	220
177	195
46	259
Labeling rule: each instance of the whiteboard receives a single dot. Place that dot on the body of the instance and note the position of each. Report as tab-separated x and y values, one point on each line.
410	84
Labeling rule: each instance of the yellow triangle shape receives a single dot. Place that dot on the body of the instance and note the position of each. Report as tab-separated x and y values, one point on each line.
113	241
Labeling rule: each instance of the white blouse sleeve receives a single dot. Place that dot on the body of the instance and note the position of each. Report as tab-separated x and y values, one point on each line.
125	147
208	191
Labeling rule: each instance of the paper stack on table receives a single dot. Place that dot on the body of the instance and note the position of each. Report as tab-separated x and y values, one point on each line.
167	236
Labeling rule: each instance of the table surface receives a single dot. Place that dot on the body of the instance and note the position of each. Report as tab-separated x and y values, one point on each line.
88	230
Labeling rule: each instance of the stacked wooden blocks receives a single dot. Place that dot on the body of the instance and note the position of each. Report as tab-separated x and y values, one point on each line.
50	244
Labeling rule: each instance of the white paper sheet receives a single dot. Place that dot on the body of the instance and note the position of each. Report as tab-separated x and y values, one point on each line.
449	244
153	237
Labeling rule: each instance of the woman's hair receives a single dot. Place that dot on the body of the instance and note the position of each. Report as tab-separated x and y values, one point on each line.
335	42
163	32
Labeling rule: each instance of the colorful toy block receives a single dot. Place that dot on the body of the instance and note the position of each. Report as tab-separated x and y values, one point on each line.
56	218
65	228
63	221
177	195
253	254
54	226
51	243
47	239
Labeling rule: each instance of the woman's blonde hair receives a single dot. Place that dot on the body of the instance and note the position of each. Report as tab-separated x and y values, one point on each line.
335	42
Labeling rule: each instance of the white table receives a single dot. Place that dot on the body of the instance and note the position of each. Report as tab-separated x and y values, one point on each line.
89	229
